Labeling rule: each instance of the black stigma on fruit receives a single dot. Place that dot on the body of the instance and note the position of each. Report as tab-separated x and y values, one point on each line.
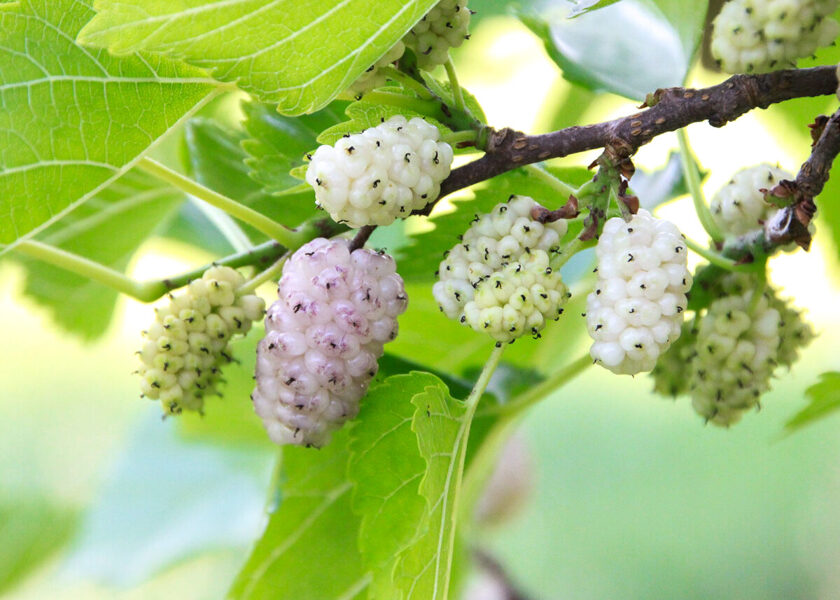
498	284
376	183
463	319
317	181
350	149
377	143
290	381
382	202
678	249
297	307
598	326
406	157
630	259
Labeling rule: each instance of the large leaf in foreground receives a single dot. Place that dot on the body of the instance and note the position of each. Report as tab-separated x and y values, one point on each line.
442	425
386	469
73	120
310	544
108	229
298	54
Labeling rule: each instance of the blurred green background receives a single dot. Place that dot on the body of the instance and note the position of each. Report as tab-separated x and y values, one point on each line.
634	498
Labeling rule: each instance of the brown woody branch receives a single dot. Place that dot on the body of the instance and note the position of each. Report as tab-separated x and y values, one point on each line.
790	224
667	110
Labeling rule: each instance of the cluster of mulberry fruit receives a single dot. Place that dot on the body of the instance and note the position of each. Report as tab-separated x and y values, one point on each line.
324	335
739	206
381	174
187	344
375	77
498	279
752	36
445	26
732	350
636	309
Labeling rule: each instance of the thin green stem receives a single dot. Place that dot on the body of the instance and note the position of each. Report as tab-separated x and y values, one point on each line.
541	390
84	267
568	251
758	292
471	403
508	416
719	260
260	278
408	82
457	137
457	92
561	187
257	220
147	291
692	177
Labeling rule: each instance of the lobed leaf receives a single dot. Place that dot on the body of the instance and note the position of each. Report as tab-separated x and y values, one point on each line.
298	54
75	120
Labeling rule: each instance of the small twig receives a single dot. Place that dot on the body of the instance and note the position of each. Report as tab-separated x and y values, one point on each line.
362	236
669	110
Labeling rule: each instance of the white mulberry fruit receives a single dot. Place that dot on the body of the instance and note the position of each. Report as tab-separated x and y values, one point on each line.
739	206
385	172
187	344
737	351
498	279
324	336
636	309
753	36
374	76
445	26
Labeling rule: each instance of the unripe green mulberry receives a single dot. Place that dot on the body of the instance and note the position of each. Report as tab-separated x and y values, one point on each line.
737	351
445	26
187	344
753	36
374	77
498	280
671	373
